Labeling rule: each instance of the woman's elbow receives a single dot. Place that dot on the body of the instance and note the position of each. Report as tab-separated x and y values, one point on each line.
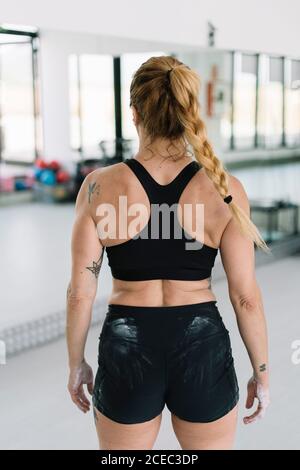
80	295
246	302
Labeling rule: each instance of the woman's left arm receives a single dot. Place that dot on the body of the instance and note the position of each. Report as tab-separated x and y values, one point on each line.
87	252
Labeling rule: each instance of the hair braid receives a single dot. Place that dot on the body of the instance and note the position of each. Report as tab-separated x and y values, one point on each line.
216	172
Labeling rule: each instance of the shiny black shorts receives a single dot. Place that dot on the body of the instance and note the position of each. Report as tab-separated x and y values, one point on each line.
180	356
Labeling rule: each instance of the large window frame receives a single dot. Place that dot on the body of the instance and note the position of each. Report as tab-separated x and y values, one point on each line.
258	143
291	85
33	40
77	72
118	106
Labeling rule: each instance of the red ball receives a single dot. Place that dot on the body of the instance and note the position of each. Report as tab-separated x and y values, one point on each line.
40	163
62	176
54	165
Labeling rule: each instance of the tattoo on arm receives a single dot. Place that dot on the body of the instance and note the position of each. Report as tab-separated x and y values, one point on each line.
95	269
262	367
93	188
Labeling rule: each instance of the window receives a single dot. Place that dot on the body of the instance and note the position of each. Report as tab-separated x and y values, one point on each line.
292	103
92	114
74	103
270	102
225	99
244	100
20	126
265	102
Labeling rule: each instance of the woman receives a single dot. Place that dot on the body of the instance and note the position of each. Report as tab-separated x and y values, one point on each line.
163	341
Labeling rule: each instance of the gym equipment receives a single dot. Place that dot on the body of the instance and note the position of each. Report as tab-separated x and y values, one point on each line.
37	173
48	178
54	165
20	184
40	163
7	184
62	176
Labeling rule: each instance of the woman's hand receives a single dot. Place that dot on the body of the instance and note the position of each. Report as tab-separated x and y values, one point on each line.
79	376
257	389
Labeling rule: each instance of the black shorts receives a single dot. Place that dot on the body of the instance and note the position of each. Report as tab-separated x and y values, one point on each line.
180	356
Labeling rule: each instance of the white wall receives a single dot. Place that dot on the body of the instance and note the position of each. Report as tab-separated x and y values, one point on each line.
268	25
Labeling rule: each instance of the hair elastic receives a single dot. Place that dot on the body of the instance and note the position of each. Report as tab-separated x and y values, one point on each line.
168	73
228	199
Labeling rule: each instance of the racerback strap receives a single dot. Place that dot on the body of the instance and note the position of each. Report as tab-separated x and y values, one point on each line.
157	193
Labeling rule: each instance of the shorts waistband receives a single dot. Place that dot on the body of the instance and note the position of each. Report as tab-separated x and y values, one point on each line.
172	309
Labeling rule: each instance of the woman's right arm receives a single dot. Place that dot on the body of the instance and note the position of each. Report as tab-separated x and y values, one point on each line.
238	258
87	252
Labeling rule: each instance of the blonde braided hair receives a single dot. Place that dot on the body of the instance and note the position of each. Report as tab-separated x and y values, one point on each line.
165	94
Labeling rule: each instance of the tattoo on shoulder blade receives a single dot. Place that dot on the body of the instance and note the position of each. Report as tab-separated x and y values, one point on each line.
93	188
262	367
95	269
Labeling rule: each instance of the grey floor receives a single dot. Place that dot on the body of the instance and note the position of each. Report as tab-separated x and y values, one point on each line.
35	410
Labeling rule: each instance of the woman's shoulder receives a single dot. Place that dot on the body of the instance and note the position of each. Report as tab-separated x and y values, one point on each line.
108	171
238	191
108	177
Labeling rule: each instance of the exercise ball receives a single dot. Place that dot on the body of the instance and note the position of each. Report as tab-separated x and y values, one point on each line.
54	165
37	173
39	163
48	177
62	176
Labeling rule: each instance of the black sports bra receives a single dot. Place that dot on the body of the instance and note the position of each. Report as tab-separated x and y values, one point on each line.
159	257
